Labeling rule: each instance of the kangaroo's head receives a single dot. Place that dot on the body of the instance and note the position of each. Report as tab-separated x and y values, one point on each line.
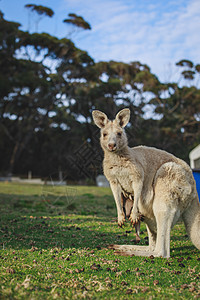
113	137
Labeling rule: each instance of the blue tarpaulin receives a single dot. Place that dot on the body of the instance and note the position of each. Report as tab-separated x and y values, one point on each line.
196	174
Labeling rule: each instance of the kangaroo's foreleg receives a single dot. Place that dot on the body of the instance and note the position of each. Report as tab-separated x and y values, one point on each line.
117	192
136	216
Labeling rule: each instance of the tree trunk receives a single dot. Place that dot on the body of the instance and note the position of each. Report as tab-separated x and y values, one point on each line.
13	159
17	150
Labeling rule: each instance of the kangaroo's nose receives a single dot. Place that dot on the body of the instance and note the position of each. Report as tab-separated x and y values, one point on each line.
111	146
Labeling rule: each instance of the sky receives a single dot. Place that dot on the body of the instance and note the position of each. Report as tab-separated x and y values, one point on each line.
158	33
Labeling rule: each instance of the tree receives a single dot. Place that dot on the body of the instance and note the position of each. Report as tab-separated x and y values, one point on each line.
77	21
41	11
31	91
179	111
189	71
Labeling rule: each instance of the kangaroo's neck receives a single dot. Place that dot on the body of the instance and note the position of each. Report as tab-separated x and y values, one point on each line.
124	152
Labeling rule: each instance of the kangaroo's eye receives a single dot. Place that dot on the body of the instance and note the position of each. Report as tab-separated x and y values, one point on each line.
119	134
105	134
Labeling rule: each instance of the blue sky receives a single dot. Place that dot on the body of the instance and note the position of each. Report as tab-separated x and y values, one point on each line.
155	32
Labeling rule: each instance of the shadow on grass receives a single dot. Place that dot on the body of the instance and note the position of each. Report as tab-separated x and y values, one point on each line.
64	232
87	222
81	222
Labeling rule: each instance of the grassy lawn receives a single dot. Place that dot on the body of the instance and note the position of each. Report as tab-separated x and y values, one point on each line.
53	244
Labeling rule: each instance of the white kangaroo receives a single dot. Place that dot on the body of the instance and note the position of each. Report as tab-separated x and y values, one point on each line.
162	186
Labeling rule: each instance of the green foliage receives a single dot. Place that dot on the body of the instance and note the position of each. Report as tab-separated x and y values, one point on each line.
188	74
191	69
77	21
40	10
50	250
185	63
150	82
197	67
179	124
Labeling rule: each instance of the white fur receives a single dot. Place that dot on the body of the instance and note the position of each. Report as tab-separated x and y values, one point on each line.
162	185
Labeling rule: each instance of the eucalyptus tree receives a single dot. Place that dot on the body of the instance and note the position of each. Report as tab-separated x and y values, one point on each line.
40	11
178	108
31	84
77	21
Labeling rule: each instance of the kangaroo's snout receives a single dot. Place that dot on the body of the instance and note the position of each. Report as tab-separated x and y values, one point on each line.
112	146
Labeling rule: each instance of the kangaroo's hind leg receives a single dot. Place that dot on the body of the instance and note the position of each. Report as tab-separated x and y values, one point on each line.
165	219
166	206
131	250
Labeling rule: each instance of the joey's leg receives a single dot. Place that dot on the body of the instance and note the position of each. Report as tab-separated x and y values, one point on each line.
116	190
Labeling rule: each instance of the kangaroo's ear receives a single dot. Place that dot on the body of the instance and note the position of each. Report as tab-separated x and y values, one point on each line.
100	119
123	117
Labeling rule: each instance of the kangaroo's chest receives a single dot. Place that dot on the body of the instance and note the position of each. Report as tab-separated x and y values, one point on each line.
124	175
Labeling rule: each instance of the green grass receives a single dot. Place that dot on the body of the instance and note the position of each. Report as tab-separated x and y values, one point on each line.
53	244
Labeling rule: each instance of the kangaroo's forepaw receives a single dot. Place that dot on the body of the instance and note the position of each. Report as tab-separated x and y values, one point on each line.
121	220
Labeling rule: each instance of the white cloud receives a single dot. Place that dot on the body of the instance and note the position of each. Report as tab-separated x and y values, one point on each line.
154	32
